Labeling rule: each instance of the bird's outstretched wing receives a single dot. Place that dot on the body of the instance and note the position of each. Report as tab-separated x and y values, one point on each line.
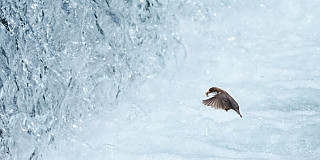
219	101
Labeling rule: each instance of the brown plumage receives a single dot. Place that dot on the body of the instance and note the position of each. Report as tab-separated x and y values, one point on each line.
222	100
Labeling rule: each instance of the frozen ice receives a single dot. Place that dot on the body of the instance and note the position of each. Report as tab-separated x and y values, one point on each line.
125	79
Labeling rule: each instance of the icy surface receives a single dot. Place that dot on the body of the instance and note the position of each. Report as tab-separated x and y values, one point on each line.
125	79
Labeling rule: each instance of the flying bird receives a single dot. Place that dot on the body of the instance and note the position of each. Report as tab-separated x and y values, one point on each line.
222	100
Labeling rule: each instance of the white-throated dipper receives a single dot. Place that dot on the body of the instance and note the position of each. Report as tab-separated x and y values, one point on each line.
222	100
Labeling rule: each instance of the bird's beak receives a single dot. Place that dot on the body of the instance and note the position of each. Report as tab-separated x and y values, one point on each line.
207	93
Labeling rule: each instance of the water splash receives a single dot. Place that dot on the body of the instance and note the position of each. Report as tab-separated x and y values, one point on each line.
63	61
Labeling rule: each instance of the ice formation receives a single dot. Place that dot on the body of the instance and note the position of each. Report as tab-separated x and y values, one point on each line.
105	79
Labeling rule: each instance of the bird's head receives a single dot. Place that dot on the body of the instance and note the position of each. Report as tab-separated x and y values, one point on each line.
213	90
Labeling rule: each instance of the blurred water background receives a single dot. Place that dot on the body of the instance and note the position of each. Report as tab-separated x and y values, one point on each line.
105	79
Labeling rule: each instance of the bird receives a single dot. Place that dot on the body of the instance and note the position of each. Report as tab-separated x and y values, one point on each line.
222	100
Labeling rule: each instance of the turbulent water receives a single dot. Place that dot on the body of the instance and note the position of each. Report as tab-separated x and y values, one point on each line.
124	79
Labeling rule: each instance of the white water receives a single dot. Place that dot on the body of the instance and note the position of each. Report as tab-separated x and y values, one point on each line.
264	53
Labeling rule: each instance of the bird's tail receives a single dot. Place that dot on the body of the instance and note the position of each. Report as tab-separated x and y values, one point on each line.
238	112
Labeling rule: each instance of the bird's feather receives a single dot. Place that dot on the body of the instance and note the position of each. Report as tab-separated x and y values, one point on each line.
219	101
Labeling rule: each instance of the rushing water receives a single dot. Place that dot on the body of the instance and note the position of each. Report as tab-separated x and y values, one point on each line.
106	79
